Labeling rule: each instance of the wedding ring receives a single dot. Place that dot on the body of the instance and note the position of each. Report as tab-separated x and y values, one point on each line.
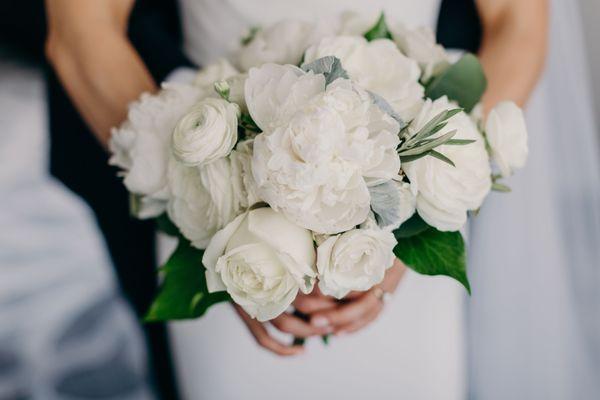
381	294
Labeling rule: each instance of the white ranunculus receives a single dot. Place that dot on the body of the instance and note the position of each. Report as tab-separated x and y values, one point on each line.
218	71
275	92
244	186
445	193
141	145
354	260
378	66
206	133
262	260
506	133
420	45
201	200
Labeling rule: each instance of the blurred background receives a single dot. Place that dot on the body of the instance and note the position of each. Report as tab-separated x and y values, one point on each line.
67	330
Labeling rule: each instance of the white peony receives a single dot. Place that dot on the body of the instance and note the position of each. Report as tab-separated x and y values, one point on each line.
262	260
275	92
420	45
281	43
141	145
206	133
201	200
244	186
315	168
354	260
506	133
445	193
378	66
218	71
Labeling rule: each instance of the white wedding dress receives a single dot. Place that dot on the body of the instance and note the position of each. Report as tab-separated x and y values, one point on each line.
413	351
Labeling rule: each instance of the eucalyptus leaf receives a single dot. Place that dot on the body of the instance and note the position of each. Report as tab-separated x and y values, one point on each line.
329	66
386	204
429	145
183	293
379	31
460	142
463	82
432	252
441	157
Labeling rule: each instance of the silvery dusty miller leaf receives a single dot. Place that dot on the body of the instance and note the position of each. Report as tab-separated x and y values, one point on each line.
385	203
329	66
387	108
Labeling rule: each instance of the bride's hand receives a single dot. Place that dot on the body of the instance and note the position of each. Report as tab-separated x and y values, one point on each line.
289	323
358	309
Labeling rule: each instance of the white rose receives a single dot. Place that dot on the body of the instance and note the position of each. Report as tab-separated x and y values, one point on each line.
281	43
275	92
262	260
420	45
378	66
218	71
206	133
445	193
141	145
201	200
506	133
244	186
355	260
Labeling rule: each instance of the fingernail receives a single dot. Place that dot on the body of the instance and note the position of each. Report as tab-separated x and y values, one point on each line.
319	322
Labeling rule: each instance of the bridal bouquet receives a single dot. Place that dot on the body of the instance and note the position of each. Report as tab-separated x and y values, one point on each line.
314	156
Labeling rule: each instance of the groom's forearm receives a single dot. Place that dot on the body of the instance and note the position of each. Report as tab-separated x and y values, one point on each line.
88	47
513	48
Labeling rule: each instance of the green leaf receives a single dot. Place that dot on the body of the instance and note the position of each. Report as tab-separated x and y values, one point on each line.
460	142
411	227
379	30
329	66
247	123
441	157
183	294
499	187
251	35
432	252
422	147
463	82
165	225
222	88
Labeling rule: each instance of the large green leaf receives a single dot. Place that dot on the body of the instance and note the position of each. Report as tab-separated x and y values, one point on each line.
463	82
411	227
183	294
432	252
379	31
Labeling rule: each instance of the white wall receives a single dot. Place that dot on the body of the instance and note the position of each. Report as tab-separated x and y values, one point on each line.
591	15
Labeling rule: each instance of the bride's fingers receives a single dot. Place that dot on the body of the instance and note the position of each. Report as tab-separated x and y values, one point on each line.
361	322
308	304
262	337
346	313
296	326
